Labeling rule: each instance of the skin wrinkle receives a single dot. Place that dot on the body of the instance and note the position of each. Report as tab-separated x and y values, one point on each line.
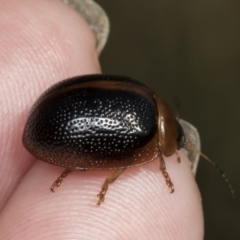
19	61
139	201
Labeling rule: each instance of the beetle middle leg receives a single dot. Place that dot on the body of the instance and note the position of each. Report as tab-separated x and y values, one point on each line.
58	182
110	179
165	174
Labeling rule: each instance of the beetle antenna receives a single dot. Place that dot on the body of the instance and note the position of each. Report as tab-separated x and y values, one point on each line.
192	148
223	174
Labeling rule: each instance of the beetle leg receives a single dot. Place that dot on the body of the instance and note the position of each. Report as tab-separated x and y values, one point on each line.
169	183
178	157
110	179
58	182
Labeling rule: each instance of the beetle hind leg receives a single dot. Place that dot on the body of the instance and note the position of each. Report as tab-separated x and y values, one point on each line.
165	174
110	179
58	182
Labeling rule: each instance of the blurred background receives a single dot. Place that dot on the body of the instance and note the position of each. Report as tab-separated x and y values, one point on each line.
189	49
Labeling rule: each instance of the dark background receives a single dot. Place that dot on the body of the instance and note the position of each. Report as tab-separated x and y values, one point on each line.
189	49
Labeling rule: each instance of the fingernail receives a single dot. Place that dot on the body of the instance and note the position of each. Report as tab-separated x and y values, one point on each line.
193	144
96	18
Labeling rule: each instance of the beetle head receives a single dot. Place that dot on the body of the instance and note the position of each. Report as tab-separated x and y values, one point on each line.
181	139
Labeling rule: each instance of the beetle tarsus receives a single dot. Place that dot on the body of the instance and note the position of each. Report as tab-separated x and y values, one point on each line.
52	188
102	193
100	198
58	182
169	183
165	174
110	179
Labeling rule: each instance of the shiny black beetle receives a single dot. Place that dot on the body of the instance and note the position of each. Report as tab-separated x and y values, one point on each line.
102	122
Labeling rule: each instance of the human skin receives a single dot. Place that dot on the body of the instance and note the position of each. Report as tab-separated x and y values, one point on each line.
41	43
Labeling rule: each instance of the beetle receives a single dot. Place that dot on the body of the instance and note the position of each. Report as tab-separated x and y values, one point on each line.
102	122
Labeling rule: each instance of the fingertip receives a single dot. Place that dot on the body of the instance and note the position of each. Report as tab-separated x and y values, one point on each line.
137	204
41	43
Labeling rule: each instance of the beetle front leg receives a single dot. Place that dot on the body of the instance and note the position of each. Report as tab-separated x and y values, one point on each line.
165	174
58	182
110	179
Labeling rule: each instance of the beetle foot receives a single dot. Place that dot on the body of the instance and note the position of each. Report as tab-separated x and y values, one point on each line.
100	198
169	183
102	193
58	182
110	179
